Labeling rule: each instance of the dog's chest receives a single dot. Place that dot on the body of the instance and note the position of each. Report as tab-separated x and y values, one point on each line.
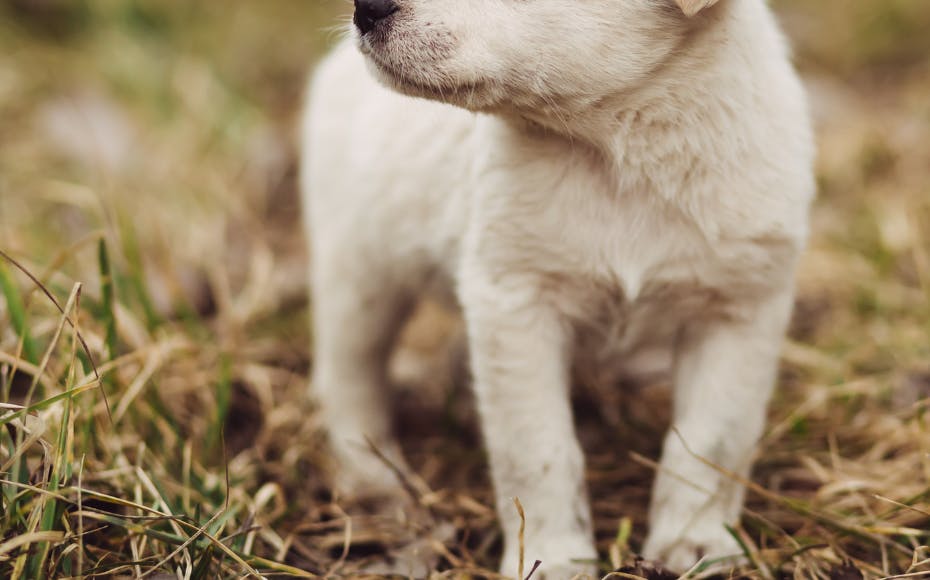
637	269
641	260
636	247
632	265
629	250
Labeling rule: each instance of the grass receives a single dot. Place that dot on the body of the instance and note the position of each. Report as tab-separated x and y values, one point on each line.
147	183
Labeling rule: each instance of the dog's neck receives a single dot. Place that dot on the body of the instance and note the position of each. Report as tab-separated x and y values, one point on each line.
714	74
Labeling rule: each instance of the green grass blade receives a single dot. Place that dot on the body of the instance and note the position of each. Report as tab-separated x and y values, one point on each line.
108	298
136	278
223	400
46	403
17	311
202	570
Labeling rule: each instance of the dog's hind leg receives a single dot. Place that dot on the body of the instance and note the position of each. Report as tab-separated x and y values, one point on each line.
357	316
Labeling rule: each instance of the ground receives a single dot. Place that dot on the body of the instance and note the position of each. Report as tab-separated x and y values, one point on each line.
148	184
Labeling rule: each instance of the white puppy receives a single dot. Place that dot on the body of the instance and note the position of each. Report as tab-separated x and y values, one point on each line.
613	173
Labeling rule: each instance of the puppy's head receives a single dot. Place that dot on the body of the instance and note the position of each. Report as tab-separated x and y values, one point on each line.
518	54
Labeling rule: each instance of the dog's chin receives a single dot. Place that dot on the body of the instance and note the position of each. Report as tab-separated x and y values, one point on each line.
474	96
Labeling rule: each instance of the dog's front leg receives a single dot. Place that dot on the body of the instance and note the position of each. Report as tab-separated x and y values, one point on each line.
724	374
519	349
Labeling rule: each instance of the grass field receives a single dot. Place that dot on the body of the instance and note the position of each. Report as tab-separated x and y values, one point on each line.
153	361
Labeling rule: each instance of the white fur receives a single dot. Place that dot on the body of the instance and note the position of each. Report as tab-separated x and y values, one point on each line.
692	7
625	176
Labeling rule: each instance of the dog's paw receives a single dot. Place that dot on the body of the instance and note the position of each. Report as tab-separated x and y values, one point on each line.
573	571
370	480
679	550
564	571
360	473
571	559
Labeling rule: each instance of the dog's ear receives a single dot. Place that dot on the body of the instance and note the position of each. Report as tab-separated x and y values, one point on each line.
692	7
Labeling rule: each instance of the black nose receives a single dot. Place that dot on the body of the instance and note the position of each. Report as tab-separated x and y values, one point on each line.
369	12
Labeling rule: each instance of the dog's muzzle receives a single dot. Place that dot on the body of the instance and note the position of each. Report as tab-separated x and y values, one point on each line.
369	12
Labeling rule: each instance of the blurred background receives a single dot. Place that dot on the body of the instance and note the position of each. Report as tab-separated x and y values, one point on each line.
148	151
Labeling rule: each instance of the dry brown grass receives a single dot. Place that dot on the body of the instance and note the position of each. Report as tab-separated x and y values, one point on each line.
161	134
